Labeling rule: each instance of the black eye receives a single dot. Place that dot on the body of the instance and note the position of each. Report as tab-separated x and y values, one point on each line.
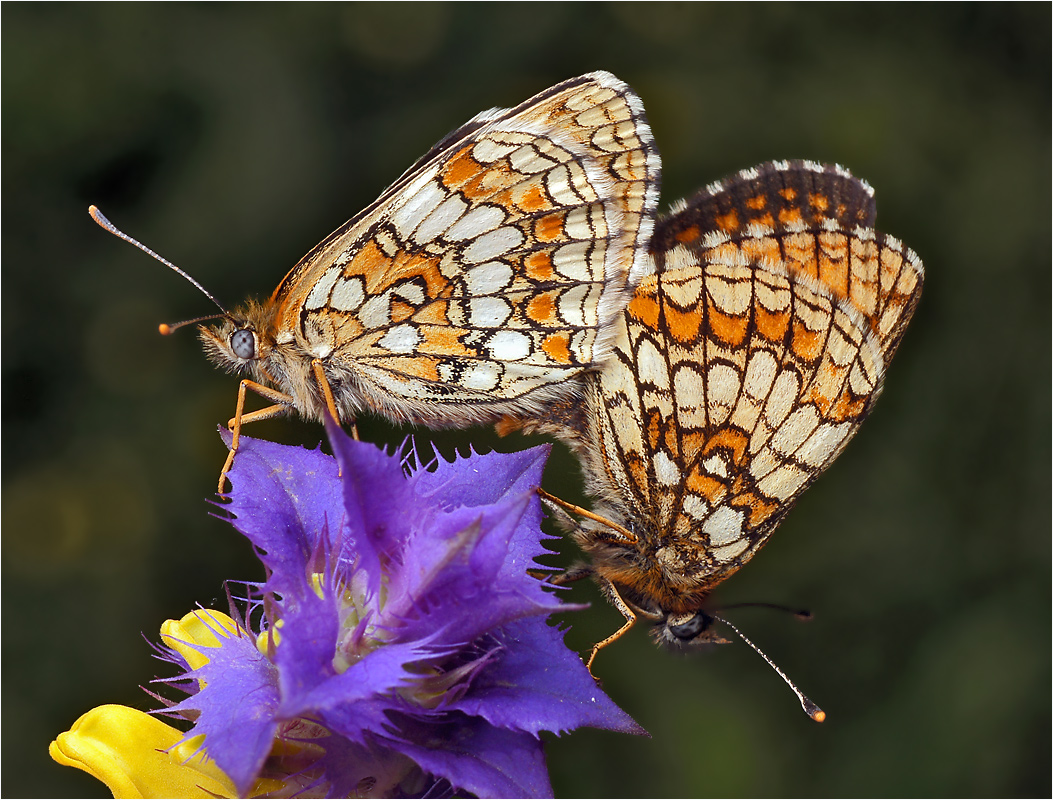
243	343
688	628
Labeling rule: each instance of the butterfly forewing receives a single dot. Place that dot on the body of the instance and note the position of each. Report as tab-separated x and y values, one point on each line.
491	272
777	196
815	219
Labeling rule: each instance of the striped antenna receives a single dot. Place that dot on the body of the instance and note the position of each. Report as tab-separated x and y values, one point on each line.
165	329
810	708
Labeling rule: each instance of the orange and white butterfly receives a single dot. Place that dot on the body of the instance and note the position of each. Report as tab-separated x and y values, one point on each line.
481	281
742	366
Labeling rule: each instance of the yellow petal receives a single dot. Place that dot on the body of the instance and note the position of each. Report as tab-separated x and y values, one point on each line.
129	752
196	628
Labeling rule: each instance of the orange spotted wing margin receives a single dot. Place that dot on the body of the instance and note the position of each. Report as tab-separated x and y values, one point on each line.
817	220
781	196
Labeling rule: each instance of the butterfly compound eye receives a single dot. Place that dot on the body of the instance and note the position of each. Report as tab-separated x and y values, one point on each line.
688	628
243	343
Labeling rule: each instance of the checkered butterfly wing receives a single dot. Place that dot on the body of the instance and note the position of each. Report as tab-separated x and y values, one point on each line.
818	221
743	366
491	271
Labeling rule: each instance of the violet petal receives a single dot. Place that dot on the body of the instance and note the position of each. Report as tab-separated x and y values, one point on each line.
477	757
282	498
237	706
540	685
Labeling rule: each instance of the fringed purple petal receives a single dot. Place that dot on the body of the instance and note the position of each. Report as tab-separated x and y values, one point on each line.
282	499
452	577
407	632
310	627
378	676
482	479
485	479
477	757
378	505
237	706
539	685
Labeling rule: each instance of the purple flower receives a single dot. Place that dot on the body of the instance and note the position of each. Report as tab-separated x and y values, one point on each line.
403	647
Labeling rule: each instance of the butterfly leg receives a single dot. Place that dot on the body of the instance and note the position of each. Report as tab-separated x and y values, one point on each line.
282	403
630	620
624	535
327	392
575	573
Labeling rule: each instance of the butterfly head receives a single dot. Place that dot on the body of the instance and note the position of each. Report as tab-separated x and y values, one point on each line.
239	343
687	630
678	623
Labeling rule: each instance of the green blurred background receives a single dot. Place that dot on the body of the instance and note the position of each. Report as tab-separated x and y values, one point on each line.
231	138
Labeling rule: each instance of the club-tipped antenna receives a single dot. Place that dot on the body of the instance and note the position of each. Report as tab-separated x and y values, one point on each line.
165	329
810	708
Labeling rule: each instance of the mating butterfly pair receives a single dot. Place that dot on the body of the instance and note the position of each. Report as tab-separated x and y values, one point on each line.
706	368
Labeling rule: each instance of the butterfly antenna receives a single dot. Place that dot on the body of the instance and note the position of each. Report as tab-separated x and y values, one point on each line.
803	614
810	708
165	329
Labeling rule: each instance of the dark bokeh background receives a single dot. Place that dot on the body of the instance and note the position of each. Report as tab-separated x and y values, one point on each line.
232	138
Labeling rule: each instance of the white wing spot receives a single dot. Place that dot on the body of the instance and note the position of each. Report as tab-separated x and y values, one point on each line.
723	526
492	245
716	465
572	261
509	345
374	312
782	398
529	161
482	375
421	202
730	551
410	292
401	339
348	294
319	295
695	506
475	223
488	312
783	482
449	211
665	469
488	151
488	278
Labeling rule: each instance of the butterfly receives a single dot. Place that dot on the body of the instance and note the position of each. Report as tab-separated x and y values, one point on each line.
478	284
743	364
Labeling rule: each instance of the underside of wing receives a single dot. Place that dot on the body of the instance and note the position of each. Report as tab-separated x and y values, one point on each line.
495	267
776	196
736	385
815	219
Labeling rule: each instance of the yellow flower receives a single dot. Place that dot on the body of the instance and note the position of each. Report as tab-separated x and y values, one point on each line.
136	754
196	628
